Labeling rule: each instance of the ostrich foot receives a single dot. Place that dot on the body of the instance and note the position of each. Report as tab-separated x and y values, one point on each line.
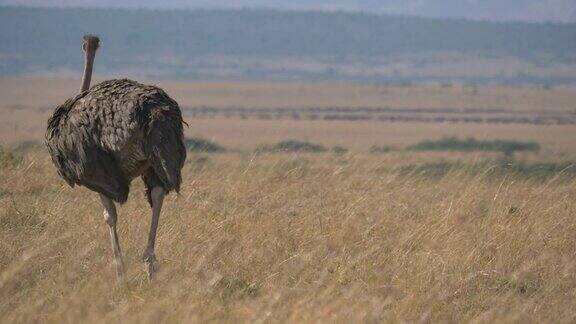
151	265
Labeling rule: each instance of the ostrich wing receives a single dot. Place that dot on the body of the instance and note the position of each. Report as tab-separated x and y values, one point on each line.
88	135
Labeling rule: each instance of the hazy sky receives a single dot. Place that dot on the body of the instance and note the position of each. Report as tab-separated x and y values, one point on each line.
530	10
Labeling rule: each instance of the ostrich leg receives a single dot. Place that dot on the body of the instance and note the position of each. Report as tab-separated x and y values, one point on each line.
150	263
110	217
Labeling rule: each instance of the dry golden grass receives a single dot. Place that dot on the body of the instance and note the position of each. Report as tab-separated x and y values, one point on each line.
297	238
300	238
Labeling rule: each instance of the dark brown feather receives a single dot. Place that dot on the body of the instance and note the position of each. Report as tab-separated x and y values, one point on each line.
115	132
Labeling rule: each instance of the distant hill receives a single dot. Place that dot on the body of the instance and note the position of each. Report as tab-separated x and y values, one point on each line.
524	10
267	44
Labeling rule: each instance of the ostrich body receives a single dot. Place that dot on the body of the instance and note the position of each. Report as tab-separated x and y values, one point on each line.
109	135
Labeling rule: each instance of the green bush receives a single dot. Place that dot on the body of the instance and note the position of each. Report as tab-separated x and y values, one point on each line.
27	146
494	170
339	150
539	171
431	170
10	157
197	144
471	144
381	149
293	146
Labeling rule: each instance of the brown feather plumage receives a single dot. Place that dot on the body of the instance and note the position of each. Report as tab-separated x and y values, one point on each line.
118	130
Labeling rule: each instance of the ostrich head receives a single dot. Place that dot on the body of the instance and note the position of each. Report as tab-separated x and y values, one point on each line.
90	44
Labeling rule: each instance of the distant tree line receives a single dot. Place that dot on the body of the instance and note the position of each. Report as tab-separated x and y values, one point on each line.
50	37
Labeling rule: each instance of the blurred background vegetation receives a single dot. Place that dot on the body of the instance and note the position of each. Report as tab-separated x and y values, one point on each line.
288	45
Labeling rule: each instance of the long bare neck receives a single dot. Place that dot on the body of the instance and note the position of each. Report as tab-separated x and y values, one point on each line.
90	46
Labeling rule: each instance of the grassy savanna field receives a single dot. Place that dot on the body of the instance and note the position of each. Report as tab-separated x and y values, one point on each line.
413	236
26	104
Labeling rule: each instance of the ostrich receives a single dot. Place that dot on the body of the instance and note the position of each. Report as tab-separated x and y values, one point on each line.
105	137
